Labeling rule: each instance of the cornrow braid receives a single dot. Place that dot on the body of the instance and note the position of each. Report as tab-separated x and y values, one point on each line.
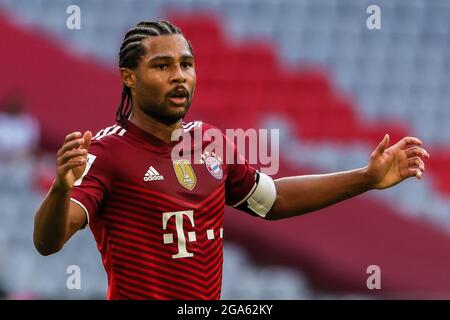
132	49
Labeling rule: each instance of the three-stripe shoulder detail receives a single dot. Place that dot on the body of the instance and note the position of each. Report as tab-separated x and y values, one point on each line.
191	125
115	129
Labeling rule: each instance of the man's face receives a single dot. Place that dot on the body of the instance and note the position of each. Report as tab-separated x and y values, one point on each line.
165	78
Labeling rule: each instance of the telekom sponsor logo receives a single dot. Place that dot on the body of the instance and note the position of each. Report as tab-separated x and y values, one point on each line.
168	238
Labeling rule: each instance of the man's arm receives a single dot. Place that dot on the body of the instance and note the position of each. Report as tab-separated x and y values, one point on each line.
58	218
387	167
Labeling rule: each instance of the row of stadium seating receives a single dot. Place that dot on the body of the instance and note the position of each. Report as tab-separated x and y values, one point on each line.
387	74
396	72
322	53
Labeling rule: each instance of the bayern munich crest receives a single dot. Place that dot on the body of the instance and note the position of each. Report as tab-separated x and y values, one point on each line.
213	164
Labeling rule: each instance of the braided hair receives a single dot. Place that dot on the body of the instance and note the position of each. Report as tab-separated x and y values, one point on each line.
132	49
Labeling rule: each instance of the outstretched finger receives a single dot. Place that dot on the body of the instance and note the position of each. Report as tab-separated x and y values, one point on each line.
408	142
71	164
69	146
71	154
417	152
382	145
71	136
87	137
416	162
415	173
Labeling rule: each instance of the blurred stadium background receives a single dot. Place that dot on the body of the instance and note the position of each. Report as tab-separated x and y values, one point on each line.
308	67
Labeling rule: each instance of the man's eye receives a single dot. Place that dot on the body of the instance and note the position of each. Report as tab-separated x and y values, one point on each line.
161	66
186	65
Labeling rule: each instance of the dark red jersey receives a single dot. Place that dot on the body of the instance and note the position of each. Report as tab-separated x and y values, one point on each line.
158	222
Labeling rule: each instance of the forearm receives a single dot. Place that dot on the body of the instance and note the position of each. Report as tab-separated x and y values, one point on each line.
303	194
52	221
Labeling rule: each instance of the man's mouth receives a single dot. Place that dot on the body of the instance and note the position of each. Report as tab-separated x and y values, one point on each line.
179	96
178	101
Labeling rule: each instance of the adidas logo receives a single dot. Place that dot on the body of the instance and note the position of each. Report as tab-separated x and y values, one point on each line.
152	175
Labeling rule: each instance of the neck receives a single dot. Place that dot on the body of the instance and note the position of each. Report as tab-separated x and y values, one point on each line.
156	128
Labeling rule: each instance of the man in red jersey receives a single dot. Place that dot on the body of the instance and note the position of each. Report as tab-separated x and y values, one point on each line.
158	221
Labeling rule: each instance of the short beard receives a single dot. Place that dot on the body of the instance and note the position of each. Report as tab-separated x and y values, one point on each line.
158	113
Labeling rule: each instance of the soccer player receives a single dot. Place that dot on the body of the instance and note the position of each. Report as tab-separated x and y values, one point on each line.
157	221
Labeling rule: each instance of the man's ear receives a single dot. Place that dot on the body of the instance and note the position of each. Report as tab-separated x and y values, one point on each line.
128	77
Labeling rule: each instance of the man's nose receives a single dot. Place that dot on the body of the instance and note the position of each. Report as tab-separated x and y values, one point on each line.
178	75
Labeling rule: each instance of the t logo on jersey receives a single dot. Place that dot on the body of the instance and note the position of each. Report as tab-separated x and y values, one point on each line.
185	174
168	237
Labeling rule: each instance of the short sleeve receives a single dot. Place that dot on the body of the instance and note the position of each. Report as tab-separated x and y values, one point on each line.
91	189
241	178
247	189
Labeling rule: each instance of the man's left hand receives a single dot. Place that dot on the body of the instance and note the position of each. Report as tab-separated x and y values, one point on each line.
389	166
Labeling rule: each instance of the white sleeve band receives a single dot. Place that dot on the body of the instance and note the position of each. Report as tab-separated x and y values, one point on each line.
90	160
83	207
263	197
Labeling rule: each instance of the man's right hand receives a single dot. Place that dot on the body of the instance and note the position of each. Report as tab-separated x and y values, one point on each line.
71	160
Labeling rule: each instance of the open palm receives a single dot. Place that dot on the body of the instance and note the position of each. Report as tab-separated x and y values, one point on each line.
389	166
